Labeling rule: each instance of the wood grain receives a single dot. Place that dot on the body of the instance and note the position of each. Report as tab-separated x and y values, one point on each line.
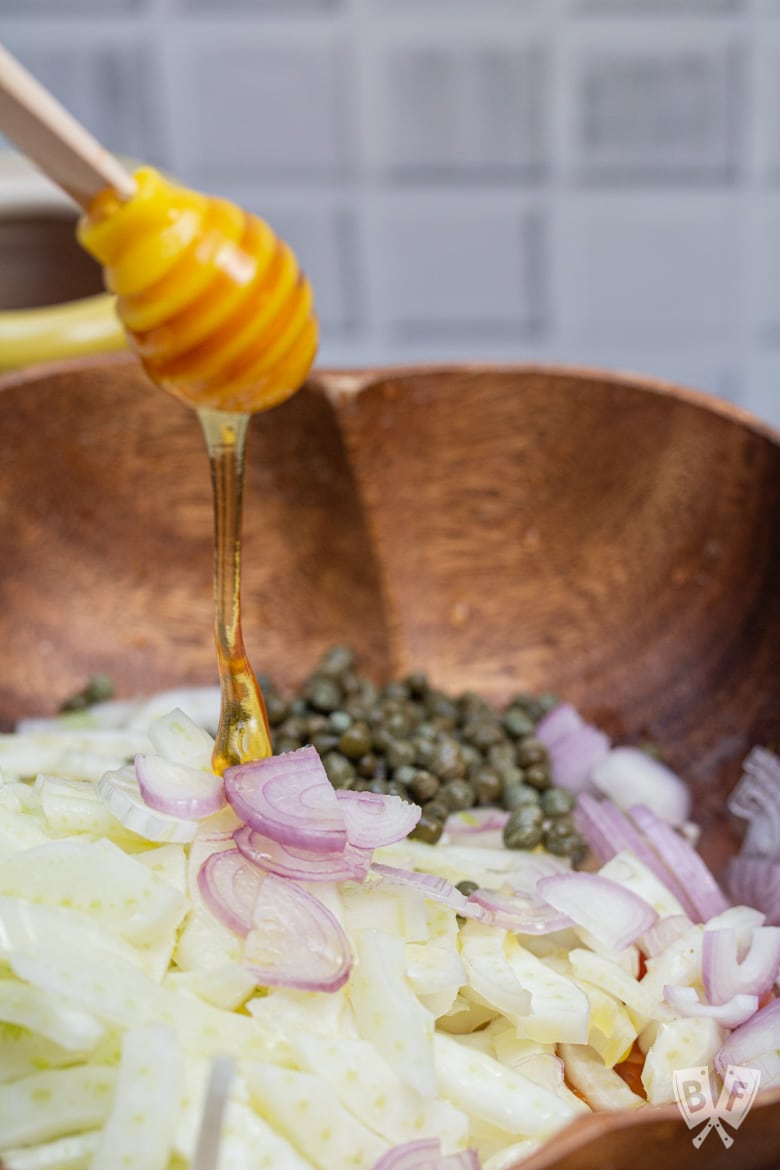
504	528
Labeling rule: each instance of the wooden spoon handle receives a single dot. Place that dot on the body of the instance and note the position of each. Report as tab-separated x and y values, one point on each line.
53	139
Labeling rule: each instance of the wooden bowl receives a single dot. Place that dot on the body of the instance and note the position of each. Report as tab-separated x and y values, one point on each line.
504	528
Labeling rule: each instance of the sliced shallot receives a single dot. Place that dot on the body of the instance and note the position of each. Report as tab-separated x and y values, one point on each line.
177	789
230	885
755	881
755	1044
725	975
757	799
438	889
373	820
289	799
304	865
573	758
519	911
558	724
610	912
295	940
425	1154
686	1002
702	892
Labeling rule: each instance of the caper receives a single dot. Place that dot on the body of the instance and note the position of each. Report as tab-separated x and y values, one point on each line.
355	741
378	784
466	887
556	802
438	705
436	808
516	795
530	750
340	770
487	786
276	708
457	794
405	774
294	727
517	722
350	682
298	706
381	738
339	721
447	762
471	705
393	788
510	774
523	830
538	775
424	751
547	701
483	733
570	845
318	725
423	785
325	742
336	661
324	693
416	683
502	754
367	766
428	828
285	743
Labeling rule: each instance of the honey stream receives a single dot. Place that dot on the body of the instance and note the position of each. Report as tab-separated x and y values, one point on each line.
243	732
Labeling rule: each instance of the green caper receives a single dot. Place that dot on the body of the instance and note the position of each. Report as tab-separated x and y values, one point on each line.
318	725
276	708
438	705
457	794
325	742
400	752
436	808
516	795
324	693
294	727
466	887
381	738
447	762
393	788
367	766
424	751
285	743
428	828
423	785
538	775
298	706
405	774
523	830
487	786
502	755
517	722
530	750
339	721
556	802
570	845
355	741
483	733
416	683
340	770
336	661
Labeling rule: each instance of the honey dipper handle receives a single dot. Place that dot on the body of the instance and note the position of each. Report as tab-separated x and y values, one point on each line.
53	139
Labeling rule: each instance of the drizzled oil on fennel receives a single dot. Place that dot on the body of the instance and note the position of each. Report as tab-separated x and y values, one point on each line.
243	732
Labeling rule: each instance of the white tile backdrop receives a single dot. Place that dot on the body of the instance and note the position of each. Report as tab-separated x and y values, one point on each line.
590	181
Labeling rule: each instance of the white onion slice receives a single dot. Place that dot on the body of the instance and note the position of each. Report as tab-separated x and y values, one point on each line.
686	1002
180	739
519	911
663	933
611	913
425	1154
289	799
304	865
178	790
373	820
230	886
629	776
724	976
702	892
756	1044
120	792
295	941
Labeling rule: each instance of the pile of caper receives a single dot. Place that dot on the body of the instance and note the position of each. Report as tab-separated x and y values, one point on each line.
443	752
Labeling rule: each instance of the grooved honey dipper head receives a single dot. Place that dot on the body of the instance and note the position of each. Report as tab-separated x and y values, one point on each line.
213	303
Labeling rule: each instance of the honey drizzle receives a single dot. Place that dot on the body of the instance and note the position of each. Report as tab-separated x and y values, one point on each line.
243	732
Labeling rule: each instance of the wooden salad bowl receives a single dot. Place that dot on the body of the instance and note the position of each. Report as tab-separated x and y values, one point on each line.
610	538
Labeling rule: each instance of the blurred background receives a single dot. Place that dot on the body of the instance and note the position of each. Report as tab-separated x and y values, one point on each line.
584	181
